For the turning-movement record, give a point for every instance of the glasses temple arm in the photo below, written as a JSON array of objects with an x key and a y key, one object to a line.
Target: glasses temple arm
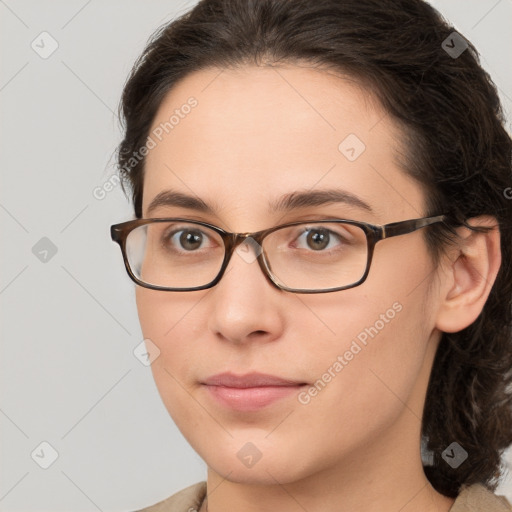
[{"x": 408, "y": 226}]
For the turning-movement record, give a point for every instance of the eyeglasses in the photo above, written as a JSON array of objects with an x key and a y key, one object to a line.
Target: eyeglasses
[{"x": 175, "y": 254}]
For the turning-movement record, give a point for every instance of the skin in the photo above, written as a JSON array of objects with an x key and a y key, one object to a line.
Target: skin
[{"x": 257, "y": 134}]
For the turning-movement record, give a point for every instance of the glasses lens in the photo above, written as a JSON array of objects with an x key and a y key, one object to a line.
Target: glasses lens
[
  {"x": 317, "y": 256},
  {"x": 174, "y": 254}
]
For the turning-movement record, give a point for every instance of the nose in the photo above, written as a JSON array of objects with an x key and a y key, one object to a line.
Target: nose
[{"x": 244, "y": 306}]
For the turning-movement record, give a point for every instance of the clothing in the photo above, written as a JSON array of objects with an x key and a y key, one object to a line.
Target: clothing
[
  {"x": 473, "y": 498},
  {"x": 476, "y": 498}
]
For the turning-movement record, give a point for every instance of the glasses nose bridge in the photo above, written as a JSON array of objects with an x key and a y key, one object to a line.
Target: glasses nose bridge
[
  {"x": 237, "y": 239},
  {"x": 233, "y": 240},
  {"x": 241, "y": 237}
]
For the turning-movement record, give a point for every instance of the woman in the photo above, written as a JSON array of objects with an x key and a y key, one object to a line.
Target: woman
[{"x": 350, "y": 349}]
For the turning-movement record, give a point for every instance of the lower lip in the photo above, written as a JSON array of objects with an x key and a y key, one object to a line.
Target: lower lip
[{"x": 251, "y": 399}]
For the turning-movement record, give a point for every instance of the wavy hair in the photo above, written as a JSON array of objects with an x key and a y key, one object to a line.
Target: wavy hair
[{"x": 456, "y": 146}]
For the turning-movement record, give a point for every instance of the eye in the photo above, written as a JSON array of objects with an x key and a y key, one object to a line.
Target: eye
[
  {"x": 318, "y": 239},
  {"x": 186, "y": 239},
  {"x": 190, "y": 240}
]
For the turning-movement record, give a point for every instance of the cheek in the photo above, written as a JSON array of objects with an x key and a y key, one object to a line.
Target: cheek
[
  {"x": 167, "y": 317},
  {"x": 361, "y": 382},
  {"x": 372, "y": 348},
  {"x": 170, "y": 322}
]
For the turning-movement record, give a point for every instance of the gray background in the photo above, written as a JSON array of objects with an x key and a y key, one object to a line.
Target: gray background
[{"x": 68, "y": 318}]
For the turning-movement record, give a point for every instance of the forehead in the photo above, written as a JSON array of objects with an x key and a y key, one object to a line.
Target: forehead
[{"x": 241, "y": 135}]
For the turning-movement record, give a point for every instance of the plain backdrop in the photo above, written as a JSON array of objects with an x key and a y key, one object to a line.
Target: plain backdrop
[{"x": 69, "y": 326}]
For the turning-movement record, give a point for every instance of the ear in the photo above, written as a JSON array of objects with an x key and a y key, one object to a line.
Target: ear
[{"x": 467, "y": 275}]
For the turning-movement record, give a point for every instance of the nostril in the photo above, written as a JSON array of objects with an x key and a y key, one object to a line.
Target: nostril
[{"x": 259, "y": 333}]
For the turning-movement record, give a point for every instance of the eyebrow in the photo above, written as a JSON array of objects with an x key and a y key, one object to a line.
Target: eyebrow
[
  {"x": 173, "y": 198},
  {"x": 288, "y": 202},
  {"x": 297, "y": 200}
]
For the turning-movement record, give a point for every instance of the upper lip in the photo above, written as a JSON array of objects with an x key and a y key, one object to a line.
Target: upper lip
[{"x": 249, "y": 380}]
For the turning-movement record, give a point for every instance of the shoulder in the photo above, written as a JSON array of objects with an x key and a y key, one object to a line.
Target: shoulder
[
  {"x": 477, "y": 498},
  {"x": 186, "y": 500}
]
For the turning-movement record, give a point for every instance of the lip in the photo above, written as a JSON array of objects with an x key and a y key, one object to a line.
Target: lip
[{"x": 250, "y": 392}]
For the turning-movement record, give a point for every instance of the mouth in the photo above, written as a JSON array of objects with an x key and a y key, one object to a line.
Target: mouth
[{"x": 250, "y": 392}]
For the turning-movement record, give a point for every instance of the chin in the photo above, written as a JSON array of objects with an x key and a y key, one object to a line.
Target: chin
[{"x": 273, "y": 465}]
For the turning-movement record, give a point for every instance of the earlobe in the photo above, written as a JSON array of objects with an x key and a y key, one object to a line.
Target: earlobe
[{"x": 469, "y": 275}]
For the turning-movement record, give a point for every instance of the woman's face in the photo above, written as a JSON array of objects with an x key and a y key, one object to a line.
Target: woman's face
[{"x": 359, "y": 358}]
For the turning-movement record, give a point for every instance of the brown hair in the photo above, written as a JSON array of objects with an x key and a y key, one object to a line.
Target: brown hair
[{"x": 457, "y": 148}]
